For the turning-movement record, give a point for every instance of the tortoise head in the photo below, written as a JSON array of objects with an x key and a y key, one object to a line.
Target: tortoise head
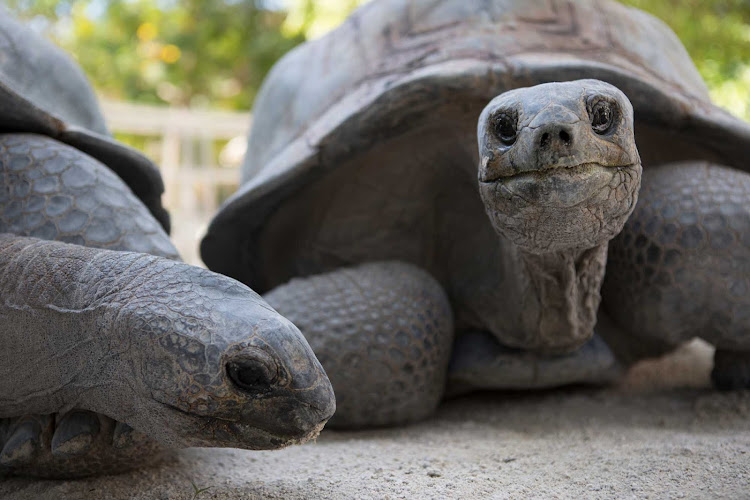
[
  {"x": 219, "y": 367},
  {"x": 558, "y": 166}
]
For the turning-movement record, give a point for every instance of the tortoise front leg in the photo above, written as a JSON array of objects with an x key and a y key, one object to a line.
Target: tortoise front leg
[
  {"x": 52, "y": 191},
  {"x": 681, "y": 267},
  {"x": 383, "y": 333},
  {"x": 74, "y": 444}
]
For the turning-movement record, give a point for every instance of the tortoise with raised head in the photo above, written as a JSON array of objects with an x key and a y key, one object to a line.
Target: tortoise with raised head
[
  {"x": 364, "y": 186},
  {"x": 96, "y": 341}
]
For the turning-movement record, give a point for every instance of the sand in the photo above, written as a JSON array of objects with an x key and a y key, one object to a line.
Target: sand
[{"x": 660, "y": 433}]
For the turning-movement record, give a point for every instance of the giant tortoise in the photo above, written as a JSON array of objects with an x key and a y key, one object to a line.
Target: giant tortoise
[
  {"x": 96, "y": 341},
  {"x": 371, "y": 219}
]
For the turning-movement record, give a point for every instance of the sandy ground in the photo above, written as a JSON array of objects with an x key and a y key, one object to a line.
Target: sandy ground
[{"x": 661, "y": 433}]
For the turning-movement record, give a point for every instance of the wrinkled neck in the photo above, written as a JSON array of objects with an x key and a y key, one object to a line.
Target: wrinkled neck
[{"x": 561, "y": 294}]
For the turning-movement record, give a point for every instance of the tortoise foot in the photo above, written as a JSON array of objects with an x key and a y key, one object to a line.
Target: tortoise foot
[
  {"x": 480, "y": 362},
  {"x": 731, "y": 370},
  {"x": 75, "y": 444}
]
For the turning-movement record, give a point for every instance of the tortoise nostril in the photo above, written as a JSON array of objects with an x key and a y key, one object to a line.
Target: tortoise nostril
[
  {"x": 555, "y": 137},
  {"x": 565, "y": 137}
]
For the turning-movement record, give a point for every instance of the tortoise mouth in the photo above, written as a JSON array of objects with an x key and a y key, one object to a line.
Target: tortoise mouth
[
  {"x": 220, "y": 432},
  {"x": 561, "y": 167},
  {"x": 561, "y": 186},
  {"x": 562, "y": 208}
]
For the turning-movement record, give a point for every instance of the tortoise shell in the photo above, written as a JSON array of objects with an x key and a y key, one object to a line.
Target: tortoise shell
[
  {"x": 363, "y": 144},
  {"x": 43, "y": 91}
]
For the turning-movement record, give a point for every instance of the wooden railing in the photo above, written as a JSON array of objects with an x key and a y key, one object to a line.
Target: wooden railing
[{"x": 186, "y": 144}]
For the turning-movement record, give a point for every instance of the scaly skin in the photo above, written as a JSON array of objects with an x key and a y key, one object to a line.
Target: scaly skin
[
  {"x": 556, "y": 193},
  {"x": 67, "y": 351},
  {"x": 383, "y": 329},
  {"x": 681, "y": 267},
  {"x": 52, "y": 191},
  {"x": 362, "y": 150},
  {"x": 188, "y": 357},
  {"x": 60, "y": 345}
]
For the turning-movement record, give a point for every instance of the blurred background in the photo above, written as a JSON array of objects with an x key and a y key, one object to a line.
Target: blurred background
[{"x": 177, "y": 78}]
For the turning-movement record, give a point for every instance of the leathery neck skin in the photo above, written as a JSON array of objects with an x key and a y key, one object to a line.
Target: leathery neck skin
[{"x": 559, "y": 175}]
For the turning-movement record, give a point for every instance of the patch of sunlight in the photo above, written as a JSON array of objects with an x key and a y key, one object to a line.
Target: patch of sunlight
[
  {"x": 314, "y": 19},
  {"x": 147, "y": 31},
  {"x": 734, "y": 95},
  {"x": 170, "y": 54}
]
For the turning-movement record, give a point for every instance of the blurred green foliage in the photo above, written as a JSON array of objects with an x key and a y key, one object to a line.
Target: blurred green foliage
[
  {"x": 716, "y": 33},
  {"x": 201, "y": 52},
  {"x": 187, "y": 53}
]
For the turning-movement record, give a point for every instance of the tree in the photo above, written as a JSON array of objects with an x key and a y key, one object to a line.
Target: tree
[
  {"x": 716, "y": 34},
  {"x": 195, "y": 52},
  {"x": 191, "y": 52}
]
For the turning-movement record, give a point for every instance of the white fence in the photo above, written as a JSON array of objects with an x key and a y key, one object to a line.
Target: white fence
[{"x": 197, "y": 160}]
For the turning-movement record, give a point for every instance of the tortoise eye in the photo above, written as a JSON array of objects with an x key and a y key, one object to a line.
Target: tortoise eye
[
  {"x": 255, "y": 373},
  {"x": 603, "y": 114},
  {"x": 504, "y": 126}
]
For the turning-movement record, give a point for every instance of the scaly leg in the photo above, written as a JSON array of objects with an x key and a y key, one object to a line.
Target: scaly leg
[
  {"x": 52, "y": 191},
  {"x": 383, "y": 333},
  {"x": 681, "y": 267}
]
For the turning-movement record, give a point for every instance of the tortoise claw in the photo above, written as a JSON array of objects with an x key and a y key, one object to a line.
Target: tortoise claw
[
  {"x": 23, "y": 443},
  {"x": 75, "y": 444},
  {"x": 75, "y": 433},
  {"x": 125, "y": 437}
]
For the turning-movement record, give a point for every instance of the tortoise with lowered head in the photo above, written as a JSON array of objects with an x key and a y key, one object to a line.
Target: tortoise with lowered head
[
  {"x": 96, "y": 341},
  {"x": 364, "y": 186}
]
